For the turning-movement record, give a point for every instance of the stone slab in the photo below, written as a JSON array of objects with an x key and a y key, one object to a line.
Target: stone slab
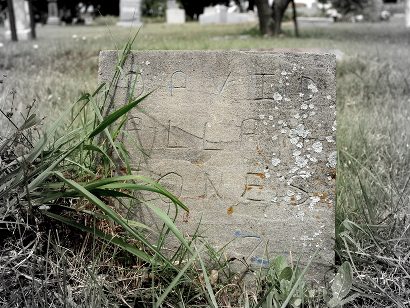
[
  {"x": 175, "y": 16},
  {"x": 130, "y": 13},
  {"x": 247, "y": 140}
]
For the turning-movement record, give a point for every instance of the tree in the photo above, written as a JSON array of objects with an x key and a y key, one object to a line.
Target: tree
[{"x": 270, "y": 17}]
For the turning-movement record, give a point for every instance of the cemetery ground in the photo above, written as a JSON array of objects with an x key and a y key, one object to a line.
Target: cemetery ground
[{"x": 373, "y": 178}]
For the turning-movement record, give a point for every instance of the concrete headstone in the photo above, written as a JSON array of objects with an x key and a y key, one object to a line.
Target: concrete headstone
[
  {"x": 52, "y": 18},
  {"x": 214, "y": 15},
  {"x": 130, "y": 13},
  {"x": 247, "y": 140},
  {"x": 174, "y": 15},
  {"x": 22, "y": 17}
]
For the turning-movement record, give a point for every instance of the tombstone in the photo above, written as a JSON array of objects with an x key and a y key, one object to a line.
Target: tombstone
[
  {"x": 130, "y": 13},
  {"x": 407, "y": 10},
  {"x": 53, "y": 18},
  {"x": 214, "y": 15},
  {"x": 22, "y": 17},
  {"x": 88, "y": 15},
  {"x": 174, "y": 15},
  {"x": 247, "y": 140},
  {"x": 238, "y": 18}
]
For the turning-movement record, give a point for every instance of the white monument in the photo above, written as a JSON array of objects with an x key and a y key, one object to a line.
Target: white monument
[
  {"x": 217, "y": 14},
  {"x": 52, "y": 18},
  {"x": 174, "y": 14},
  {"x": 220, "y": 14},
  {"x": 22, "y": 18},
  {"x": 130, "y": 13}
]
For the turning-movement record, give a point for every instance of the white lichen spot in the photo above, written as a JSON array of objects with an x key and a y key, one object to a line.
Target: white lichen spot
[
  {"x": 280, "y": 122},
  {"x": 287, "y": 199},
  {"x": 297, "y": 116},
  {"x": 283, "y": 130},
  {"x": 317, "y": 147},
  {"x": 312, "y": 113},
  {"x": 277, "y": 96},
  {"x": 147, "y": 62},
  {"x": 274, "y": 199},
  {"x": 261, "y": 116},
  {"x": 294, "y": 140},
  {"x": 297, "y": 153},
  {"x": 311, "y": 106},
  {"x": 328, "y": 97},
  {"x": 287, "y": 83},
  {"x": 305, "y": 116},
  {"x": 293, "y": 170},
  {"x": 274, "y": 138},
  {"x": 270, "y": 117},
  {"x": 287, "y": 99},
  {"x": 305, "y": 174},
  {"x": 313, "y": 159},
  {"x": 275, "y": 161},
  {"x": 301, "y": 94},
  {"x": 283, "y": 73},
  {"x": 332, "y": 159},
  {"x": 298, "y": 197},
  {"x": 301, "y": 215},
  {"x": 282, "y": 178},
  {"x": 301, "y": 161},
  {"x": 330, "y": 139},
  {"x": 299, "y": 131},
  {"x": 313, "y": 201},
  {"x": 312, "y": 87},
  {"x": 299, "y": 145},
  {"x": 265, "y": 123},
  {"x": 304, "y": 106}
]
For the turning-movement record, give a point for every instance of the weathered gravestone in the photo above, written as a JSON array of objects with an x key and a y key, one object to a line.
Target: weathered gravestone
[
  {"x": 174, "y": 15},
  {"x": 53, "y": 18},
  {"x": 130, "y": 13},
  {"x": 245, "y": 139}
]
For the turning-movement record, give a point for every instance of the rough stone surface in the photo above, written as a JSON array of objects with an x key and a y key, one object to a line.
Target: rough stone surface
[{"x": 247, "y": 140}]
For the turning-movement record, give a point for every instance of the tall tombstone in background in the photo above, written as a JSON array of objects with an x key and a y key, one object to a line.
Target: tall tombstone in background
[
  {"x": 247, "y": 140},
  {"x": 53, "y": 18},
  {"x": 174, "y": 15},
  {"x": 130, "y": 13},
  {"x": 22, "y": 18}
]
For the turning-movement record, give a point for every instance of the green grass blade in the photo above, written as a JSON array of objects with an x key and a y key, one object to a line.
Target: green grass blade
[
  {"x": 112, "y": 215},
  {"x": 116, "y": 115},
  {"x": 170, "y": 224},
  {"x": 175, "y": 281},
  {"x": 114, "y": 240},
  {"x": 94, "y": 148},
  {"x": 208, "y": 283},
  {"x": 298, "y": 281}
]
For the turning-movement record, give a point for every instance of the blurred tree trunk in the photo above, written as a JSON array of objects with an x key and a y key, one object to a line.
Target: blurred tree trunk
[
  {"x": 265, "y": 17},
  {"x": 270, "y": 18},
  {"x": 408, "y": 13}
]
